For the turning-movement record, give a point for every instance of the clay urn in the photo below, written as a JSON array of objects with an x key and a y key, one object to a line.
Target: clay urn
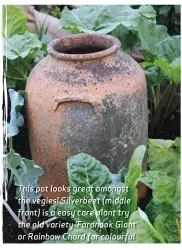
[{"x": 85, "y": 96}]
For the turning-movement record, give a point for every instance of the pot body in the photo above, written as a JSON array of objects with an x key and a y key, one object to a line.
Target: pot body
[{"x": 95, "y": 106}]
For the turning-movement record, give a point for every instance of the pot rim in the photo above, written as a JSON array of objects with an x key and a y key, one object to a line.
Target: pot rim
[{"x": 67, "y": 41}]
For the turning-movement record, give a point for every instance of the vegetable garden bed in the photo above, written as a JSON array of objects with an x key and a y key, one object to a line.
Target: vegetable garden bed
[{"x": 157, "y": 214}]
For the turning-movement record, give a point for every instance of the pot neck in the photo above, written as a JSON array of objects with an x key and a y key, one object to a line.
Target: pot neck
[{"x": 83, "y": 47}]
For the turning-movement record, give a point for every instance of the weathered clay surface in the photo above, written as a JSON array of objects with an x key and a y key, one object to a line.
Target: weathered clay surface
[{"x": 94, "y": 103}]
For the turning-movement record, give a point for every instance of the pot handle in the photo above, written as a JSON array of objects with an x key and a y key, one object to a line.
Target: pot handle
[{"x": 84, "y": 99}]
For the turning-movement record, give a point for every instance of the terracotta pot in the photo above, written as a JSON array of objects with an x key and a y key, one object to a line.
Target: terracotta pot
[{"x": 85, "y": 96}]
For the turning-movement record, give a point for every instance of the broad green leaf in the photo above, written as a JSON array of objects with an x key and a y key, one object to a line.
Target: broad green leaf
[
  {"x": 149, "y": 35},
  {"x": 12, "y": 130},
  {"x": 163, "y": 155},
  {"x": 152, "y": 209},
  {"x": 131, "y": 179},
  {"x": 151, "y": 74},
  {"x": 39, "y": 56},
  {"x": 14, "y": 21},
  {"x": 153, "y": 179},
  {"x": 165, "y": 55},
  {"x": 131, "y": 26},
  {"x": 177, "y": 8},
  {"x": 29, "y": 173},
  {"x": 12, "y": 160},
  {"x": 161, "y": 32},
  {"x": 102, "y": 18},
  {"x": 177, "y": 143},
  {"x": 167, "y": 223},
  {"x": 25, "y": 173},
  {"x": 154, "y": 76},
  {"x": 164, "y": 10},
  {"x": 16, "y": 119},
  {"x": 162, "y": 185},
  {"x": 127, "y": 38},
  {"x": 45, "y": 39},
  {"x": 135, "y": 166},
  {"x": 168, "y": 58},
  {"x": 172, "y": 70},
  {"x": 169, "y": 48},
  {"x": 145, "y": 232},
  {"x": 21, "y": 45},
  {"x": 160, "y": 143},
  {"x": 147, "y": 11},
  {"x": 176, "y": 200},
  {"x": 62, "y": 210},
  {"x": 17, "y": 69},
  {"x": 85, "y": 171},
  {"x": 146, "y": 64}
]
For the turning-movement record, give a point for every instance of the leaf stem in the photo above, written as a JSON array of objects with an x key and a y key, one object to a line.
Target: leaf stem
[
  {"x": 154, "y": 98},
  {"x": 28, "y": 209},
  {"x": 10, "y": 143},
  {"x": 14, "y": 171},
  {"x": 11, "y": 212},
  {"x": 10, "y": 180},
  {"x": 15, "y": 217},
  {"x": 157, "y": 94},
  {"x": 12, "y": 175},
  {"x": 179, "y": 228}
]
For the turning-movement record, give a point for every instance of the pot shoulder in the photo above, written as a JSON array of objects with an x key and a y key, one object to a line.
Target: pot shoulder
[{"x": 117, "y": 69}]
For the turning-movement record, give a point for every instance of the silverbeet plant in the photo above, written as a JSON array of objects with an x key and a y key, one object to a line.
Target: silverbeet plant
[
  {"x": 85, "y": 171},
  {"x": 160, "y": 223}
]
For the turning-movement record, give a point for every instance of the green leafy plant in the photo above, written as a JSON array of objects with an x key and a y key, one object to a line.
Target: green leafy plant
[
  {"x": 14, "y": 21},
  {"x": 136, "y": 28},
  {"x": 164, "y": 68},
  {"x": 85, "y": 172},
  {"x": 16, "y": 119},
  {"x": 20, "y": 55},
  {"x": 25, "y": 174},
  {"x": 169, "y": 15},
  {"x": 121, "y": 21},
  {"x": 53, "y": 11},
  {"x": 145, "y": 232},
  {"x": 164, "y": 180},
  {"x": 160, "y": 223},
  {"x": 22, "y": 49}
]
